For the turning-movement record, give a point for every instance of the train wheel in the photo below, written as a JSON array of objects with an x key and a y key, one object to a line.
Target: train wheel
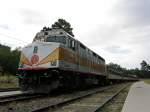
[{"x": 23, "y": 85}]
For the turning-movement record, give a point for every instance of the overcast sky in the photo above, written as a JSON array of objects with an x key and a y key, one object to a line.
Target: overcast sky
[{"x": 118, "y": 30}]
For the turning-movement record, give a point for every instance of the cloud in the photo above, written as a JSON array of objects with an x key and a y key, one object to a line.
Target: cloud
[
  {"x": 117, "y": 49},
  {"x": 118, "y": 30},
  {"x": 127, "y": 46},
  {"x": 101, "y": 34},
  {"x": 32, "y": 17},
  {"x": 134, "y": 12},
  {"x": 5, "y": 26}
]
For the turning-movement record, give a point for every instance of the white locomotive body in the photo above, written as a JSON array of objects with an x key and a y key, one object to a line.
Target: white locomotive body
[
  {"x": 59, "y": 50},
  {"x": 55, "y": 59}
]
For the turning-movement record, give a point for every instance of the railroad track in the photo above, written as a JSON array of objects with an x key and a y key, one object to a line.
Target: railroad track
[
  {"x": 117, "y": 103},
  {"x": 90, "y": 102},
  {"x": 81, "y": 100},
  {"x": 20, "y": 97},
  {"x": 13, "y": 95},
  {"x": 8, "y": 89}
]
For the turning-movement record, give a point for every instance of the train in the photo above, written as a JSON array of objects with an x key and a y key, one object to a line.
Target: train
[{"x": 56, "y": 59}]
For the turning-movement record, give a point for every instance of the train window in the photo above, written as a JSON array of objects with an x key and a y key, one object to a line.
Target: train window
[
  {"x": 59, "y": 39},
  {"x": 35, "y": 49},
  {"x": 61, "y": 32},
  {"x": 82, "y": 46},
  {"x": 45, "y": 33},
  {"x": 70, "y": 43},
  {"x": 98, "y": 62},
  {"x": 94, "y": 54},
  {"x": 73, "y": 45}
]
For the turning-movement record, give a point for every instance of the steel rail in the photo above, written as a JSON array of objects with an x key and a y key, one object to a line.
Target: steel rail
[
  {"x": 18, "y": 97},
  {"x": 110, "y": 99},
  {"x": 8, "y": 89},
  {"x": 58, "y": 104}
]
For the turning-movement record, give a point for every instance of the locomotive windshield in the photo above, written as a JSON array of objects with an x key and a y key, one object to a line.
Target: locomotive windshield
[{"x": 58, "y": 39}]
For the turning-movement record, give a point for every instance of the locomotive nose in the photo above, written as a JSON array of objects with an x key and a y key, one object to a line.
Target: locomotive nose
[{"x": 39, "y": 54}]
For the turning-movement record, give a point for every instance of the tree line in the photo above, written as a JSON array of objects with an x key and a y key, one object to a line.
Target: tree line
[
  {"x": 9, "y": 60},
  {"x": 142, "y": 72}
]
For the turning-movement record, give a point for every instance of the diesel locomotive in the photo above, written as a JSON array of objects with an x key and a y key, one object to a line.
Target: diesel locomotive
[{"x": 56, "y": 59}]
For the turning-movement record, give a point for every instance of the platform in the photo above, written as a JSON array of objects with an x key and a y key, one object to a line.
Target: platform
[{"x": 138, "y": 99}]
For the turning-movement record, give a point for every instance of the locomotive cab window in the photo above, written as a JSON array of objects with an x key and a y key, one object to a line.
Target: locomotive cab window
[
  {"x": 73, "y": 45},
  {"x": 58, "y": 39}
]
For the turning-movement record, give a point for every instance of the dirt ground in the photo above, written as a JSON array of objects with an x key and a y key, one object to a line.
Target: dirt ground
[{"x": 8, "y": 81}]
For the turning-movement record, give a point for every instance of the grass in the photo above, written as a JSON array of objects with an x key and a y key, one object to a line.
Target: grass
[
  {"x": 147, "y": 81},
  {"x": 8, "y": 81}
]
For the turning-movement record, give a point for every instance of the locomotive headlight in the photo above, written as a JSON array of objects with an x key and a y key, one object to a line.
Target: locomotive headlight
[{"x": 53, "y": 63}]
